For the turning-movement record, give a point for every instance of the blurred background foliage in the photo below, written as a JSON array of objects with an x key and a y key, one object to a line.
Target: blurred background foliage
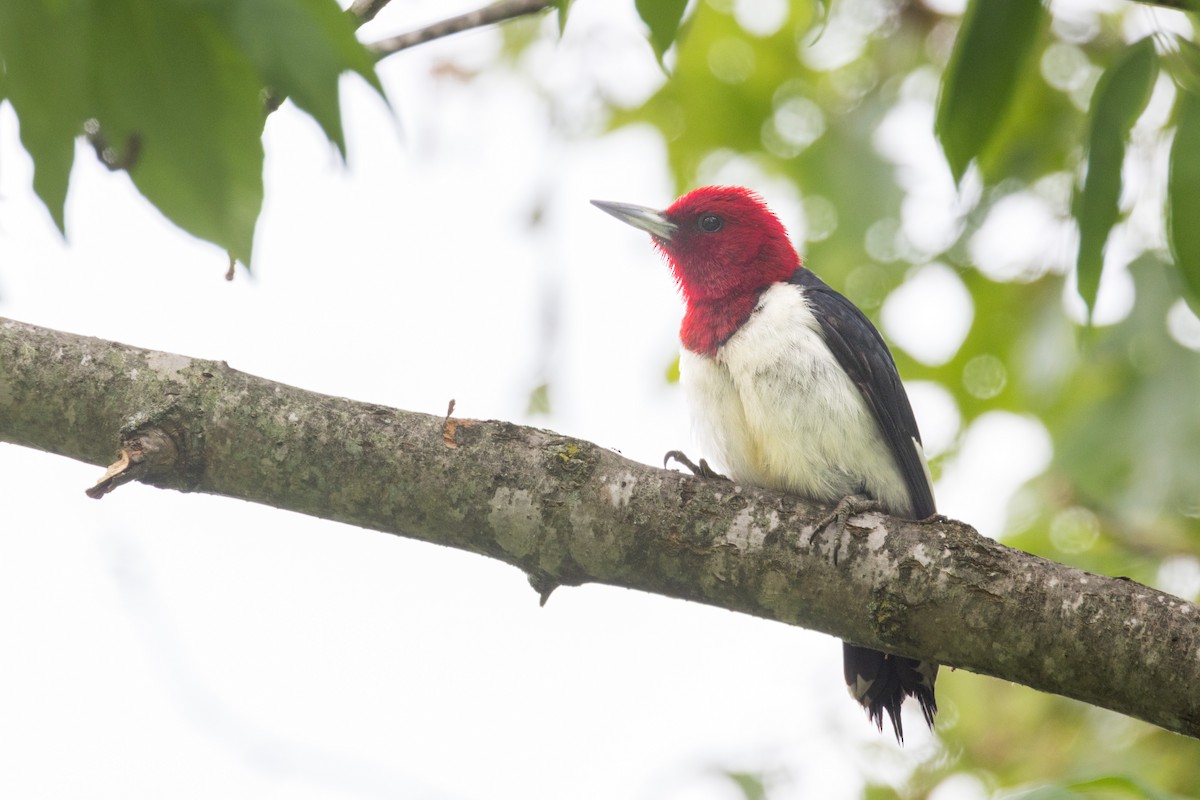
[{"x": 1071, "y": 119}]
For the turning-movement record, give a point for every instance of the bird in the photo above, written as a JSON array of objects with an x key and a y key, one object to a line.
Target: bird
[{"x": 792, "y": 389}]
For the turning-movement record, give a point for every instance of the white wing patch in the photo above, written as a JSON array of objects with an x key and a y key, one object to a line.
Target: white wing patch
[{"x": 924, "y": 462}]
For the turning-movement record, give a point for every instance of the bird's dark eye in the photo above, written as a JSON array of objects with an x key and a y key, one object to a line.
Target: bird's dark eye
[{"x": 711, "y": 223}]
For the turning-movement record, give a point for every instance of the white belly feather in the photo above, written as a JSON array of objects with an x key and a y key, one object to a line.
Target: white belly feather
[{"x": 776, "y": 409}]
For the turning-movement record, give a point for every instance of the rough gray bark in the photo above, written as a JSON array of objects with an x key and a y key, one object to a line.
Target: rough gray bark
[{"x": 569, "y": 512}]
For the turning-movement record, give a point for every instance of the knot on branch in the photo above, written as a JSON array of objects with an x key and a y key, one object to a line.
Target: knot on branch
[{"x": 155, "y": 453}]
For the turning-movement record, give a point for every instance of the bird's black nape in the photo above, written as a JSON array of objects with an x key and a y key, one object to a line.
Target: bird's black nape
[{"x": 881, "y": 682}]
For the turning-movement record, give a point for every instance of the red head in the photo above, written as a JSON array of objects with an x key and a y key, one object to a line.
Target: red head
[
  {"x": 724, "y": 247},
  {"x": 726, "y": 242}
]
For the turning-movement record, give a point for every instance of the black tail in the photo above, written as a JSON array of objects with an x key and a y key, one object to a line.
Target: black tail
[{"x": 881, "y": 681}]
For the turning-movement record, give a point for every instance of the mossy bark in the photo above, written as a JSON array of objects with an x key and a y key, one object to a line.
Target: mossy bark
[{"x": 569, "y": 512}]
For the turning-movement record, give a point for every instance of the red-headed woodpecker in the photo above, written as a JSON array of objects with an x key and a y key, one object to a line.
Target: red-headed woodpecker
[{"x": 792, "y": 388}]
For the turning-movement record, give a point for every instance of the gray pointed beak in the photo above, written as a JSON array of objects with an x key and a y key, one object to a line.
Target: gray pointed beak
[{"x": 653, "y": 222}]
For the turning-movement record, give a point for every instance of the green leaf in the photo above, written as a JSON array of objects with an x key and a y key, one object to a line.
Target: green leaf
[
  {"x": 563, "y": 7},
  {"x": 539, "y": 400},
  {"x": 1118, "y": 786},
  {"x": 179, "y": 105},
  {"x": 671, "y": 373},
  {"x": 1039, "y": 135},
  {"x": 172, "y": 92},
  {"x": 45, "y": 79},
  {"x": 992, "y": 49},
  {"x": 1048, "y": 792},
  {"x": 752, "y": 786},
  {"x": 300, "y": 48},
  {"x": 663, "y": 18},
  {"x": 1182, "y": 61},
  {"x": 1120, "y": 98},
  {"x": 1183, "y": 194},
  {"x": 1110, "y": 787}
]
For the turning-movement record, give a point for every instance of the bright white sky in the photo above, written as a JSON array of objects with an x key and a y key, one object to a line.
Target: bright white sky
[{"x": 167, "y": 645}]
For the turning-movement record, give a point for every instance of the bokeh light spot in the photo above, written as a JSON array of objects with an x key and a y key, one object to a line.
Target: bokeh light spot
[
  {"x": 731, "y": 60},
  {"x": 984, "y": 376},
  {"x": 1074, "y": 530},
  {"x": 1183, "y": 325},
  {"x": 929, "y": 314}
]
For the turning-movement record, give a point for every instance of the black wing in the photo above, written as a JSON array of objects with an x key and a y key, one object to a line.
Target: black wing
[
  {"x": 879, "y": 681},
  {"x": 861, "y": 351}
]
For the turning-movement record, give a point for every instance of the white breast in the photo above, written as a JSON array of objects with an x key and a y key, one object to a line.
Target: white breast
[{"x": 776, "y": 409}]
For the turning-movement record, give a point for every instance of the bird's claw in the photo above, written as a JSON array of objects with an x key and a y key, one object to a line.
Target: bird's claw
[
  {"x": 846, "y": 508},
  {"x": 849, "y": 506},
  {"x": 703, "y": 470}
]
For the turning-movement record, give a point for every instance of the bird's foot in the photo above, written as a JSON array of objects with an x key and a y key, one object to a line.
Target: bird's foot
[
  {"x": 847, "y": 507},
  {"x": 701, "y": 471}
]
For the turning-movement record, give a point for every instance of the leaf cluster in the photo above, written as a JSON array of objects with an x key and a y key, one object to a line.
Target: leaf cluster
[
  {"x": 174, "y": 92},
  {"x": 993, "y": 59}
]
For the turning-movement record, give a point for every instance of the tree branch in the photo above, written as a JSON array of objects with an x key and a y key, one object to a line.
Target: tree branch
[
  {"x": 1178, "y": 5},
  {"x": 488, "y": 15},
  {"x": 366, "y": 10},
  {"x": 503, "y": 10},
  {"x": 569, "y": 512}
]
